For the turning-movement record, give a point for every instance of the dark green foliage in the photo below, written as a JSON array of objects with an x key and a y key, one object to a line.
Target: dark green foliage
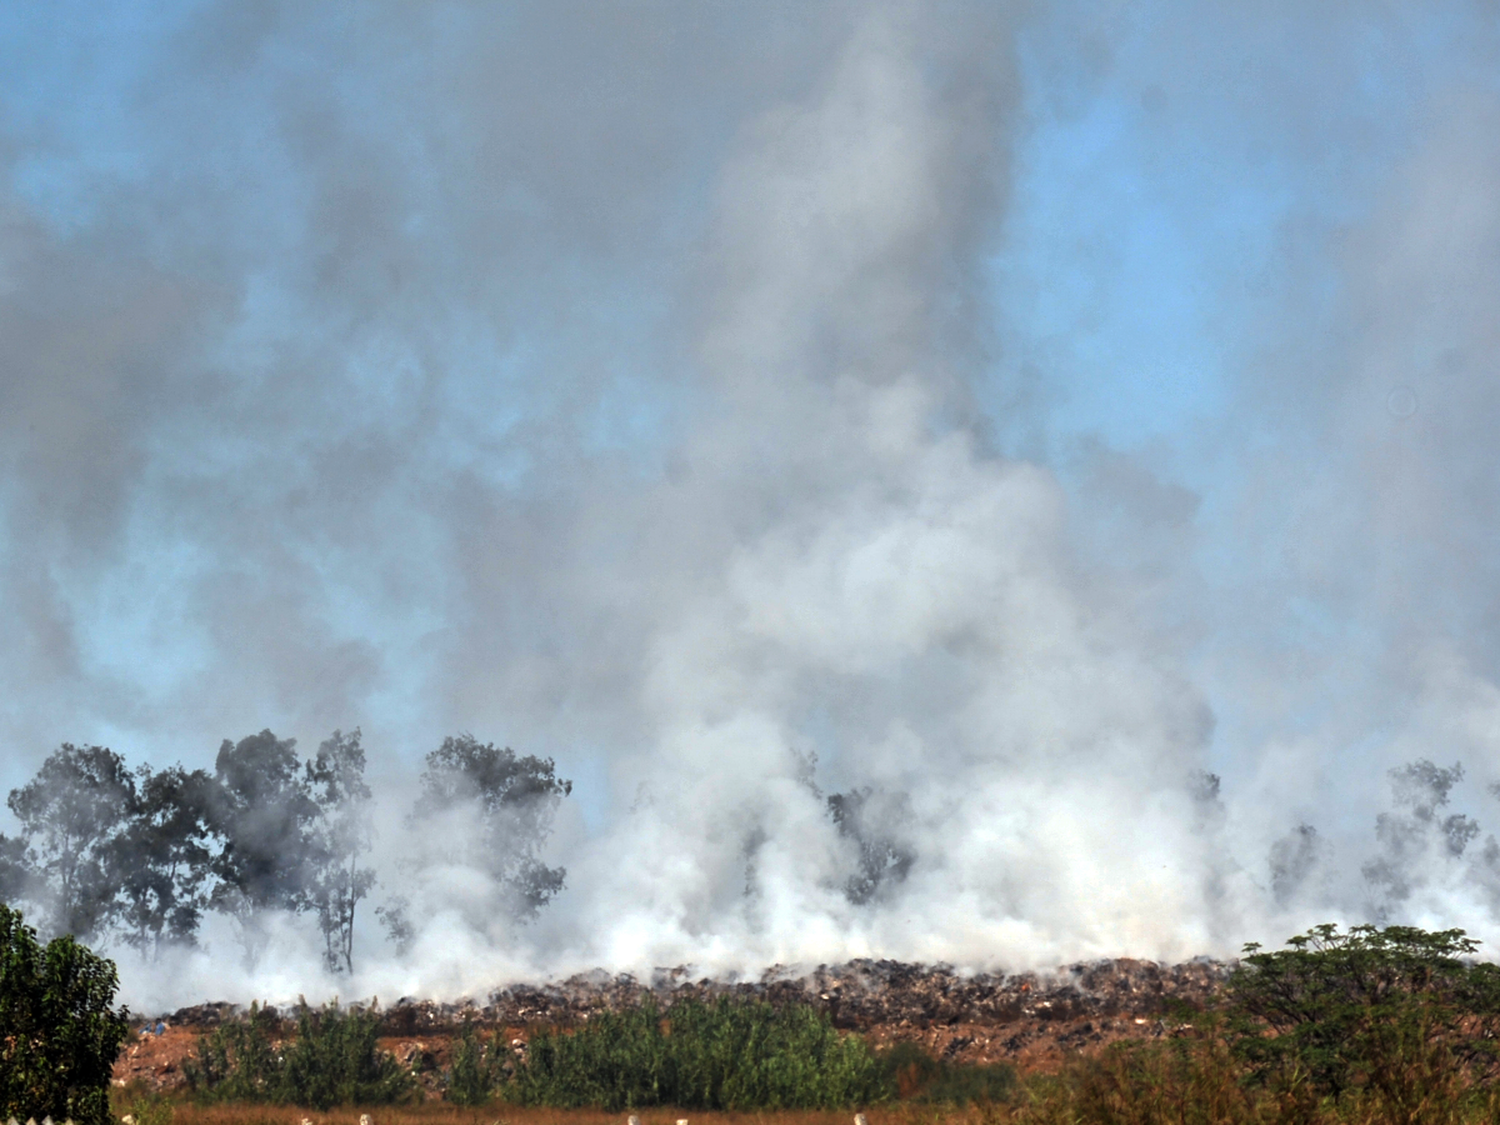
[
  {"x": 915, "y": 1074},
  {"x": 240, "y": 1061},
  {"x": 266, "y": 816},
  {"x": 140, "y": 855},
  {"x": 332, "y": 1060},
  {"x": 163, "y": 858},
  {"x": 477, "y": 1068},
  {"x": 148, "y": 1108},
  {"x": 59, "y": 1034},
  {"x": 514, "y": 799},
  {"x": 15, "y": 869},
  {"x": 728, "y": 1054},
  {"x": 1350, "y": 1010},
  {"x": 73, "y": 813}
]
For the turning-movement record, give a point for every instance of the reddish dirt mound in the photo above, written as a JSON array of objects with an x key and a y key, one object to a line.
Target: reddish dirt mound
[{"x": 1032, "y": 1020}]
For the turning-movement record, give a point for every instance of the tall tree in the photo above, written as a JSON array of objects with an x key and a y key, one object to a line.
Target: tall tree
[
  {"x": 15, "y": 869},
  {"x": 515, "y": 799},
  {"x": 337, "y": 781},
  {"x": 266, "y": 814},
  {"x": 163, "y": 859},
  {"x": 72, "y": 813}
]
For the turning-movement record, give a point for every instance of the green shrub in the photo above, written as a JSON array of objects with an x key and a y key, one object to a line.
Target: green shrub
[
  {"x": 59, "y": 1034},
  {"x": 151, "y": 1108},
  {"x": 729, "y": 1054},
  {"x": 240, "y": 1061},
  {"x": 476, "y": 1068},
  {"x": 332, "y": 1060},
  {"x": 1376, "y": 1009},
  {"x": 1394, "y": 1026}
]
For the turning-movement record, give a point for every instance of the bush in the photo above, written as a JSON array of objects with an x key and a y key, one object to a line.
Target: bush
[
  {"x": 476, "y": 1068},
  {"x": 728, "y": 1054},
  {"x": 59, "y": 1034},
  {"x": 1382, "y": 1009},
  {"x": 1394, "y": 1026},
  {"x": 1182, "y": 1082},
  {"x": 147, "y": 1107},
  {"x": 331, "y": 1061},
  {"x": 239, "y": 1061}
]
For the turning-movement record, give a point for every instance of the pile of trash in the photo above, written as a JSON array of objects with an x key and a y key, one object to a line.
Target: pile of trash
[
  {"x": 1030, "y": 1019},
  {"x": 859, "y": 995}
]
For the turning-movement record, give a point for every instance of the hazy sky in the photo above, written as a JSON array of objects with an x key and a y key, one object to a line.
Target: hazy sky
[{"x": 1020, "y": 407}]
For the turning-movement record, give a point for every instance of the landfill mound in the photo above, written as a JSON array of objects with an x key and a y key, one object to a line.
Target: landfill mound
[{"x": 1031, "y": 1019}]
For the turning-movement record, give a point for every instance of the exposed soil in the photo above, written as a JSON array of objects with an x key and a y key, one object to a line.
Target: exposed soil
[{"x": 1031, "y": 1020}]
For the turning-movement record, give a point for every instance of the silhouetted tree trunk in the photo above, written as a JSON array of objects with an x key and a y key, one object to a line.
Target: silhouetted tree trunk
[{"x": 337, "y": 780}]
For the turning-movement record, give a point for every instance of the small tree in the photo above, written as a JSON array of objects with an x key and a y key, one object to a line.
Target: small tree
[
  {"x": 73, "y": 812},
  {"x": 515, "y": 798},
  {"x": 477, "y": 1068},
  {"x": 163, "y": 858},
  {"x": 59, "y": 1034},
  {"x": 1349, "y": 1010},
  {"x": 333, "y": 1059},
  {"x": 337, "y": 779}
]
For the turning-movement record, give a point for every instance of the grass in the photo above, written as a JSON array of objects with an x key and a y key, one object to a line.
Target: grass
[
  {"x": 187, "y": 1112},
  {"x": 915, "y": 1075},
  {"x": 1177, "y": 1082},
  {"x": 724, "y": 1054}
]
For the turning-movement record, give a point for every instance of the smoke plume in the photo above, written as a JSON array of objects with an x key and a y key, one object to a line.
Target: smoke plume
[{"x": 990, "y": 484}]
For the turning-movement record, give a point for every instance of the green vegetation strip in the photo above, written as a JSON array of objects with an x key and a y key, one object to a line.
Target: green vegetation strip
[
  {"x": 331, "y": 1061},
  {"x": 726, "y": 1054}
]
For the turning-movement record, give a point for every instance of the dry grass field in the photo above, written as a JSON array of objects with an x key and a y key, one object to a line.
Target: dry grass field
[{"x": 185, "y": 1112}]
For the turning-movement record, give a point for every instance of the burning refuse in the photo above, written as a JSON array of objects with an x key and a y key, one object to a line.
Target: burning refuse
[{"x": 975, "y": 1019}]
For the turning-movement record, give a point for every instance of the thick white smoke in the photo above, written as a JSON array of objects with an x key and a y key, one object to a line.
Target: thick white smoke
[{"x": 893, "y": 600}]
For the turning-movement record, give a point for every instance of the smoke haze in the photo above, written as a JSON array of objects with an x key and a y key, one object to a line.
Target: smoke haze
[{"x": 1065, "y": 428}]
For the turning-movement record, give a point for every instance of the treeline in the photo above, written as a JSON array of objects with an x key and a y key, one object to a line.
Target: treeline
[{"x": 107, "y": 850}]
